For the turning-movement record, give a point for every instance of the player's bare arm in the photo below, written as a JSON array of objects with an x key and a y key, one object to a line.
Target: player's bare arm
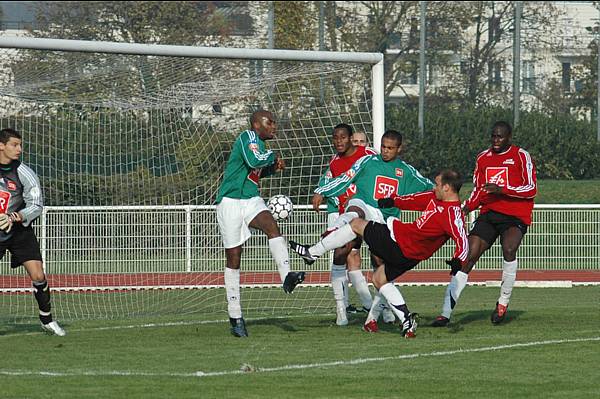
[
  {"x": 279, "y": 164},
  {"x": 492, "y": 188},
  {"x": 317, "y": 200}
]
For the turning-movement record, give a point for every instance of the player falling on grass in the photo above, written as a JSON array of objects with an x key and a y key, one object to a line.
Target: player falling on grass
[
  {"x": 401, "y": 246},
  {"x": 240, "y": 208},
  {"x": 375, "y": 177},
  {"x": 504, "y": 185},
  {"x": 21, "y": 202},
  {"x": 346, "y": 260}
]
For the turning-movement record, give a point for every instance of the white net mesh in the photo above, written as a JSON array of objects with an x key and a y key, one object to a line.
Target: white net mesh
[{"x": 109, "y": 130}]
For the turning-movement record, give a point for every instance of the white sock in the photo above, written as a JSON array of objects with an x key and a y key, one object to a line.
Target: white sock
[
  {"x": 509, "y": 275},
  {"x": 346, "y": 291},
  {"x": 376, "y": 307},
  {"x": 344, "y": 219},
  {"x": 394, "y": 298},
  {"x": 232, "y": 289},
  {"x": 453, "y": 291},
  {"x": 338, "y": 279},
  {"x": 334, "y": 240},
  {"x": 279, "y": 250},
  {"x": 359, "y": 282}
]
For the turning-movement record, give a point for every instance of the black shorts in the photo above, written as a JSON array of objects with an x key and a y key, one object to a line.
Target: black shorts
[
  {"x": 488, "y": 226},
  {"x": 380, "y": 242},
  {"x": 23, "y": 246}
]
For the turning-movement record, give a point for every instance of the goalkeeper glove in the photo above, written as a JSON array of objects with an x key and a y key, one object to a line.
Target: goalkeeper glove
[
  {"x": 385, "y": 202},
  {"x": 455, "y": 266},
  {"x": 5, "y": 222}
]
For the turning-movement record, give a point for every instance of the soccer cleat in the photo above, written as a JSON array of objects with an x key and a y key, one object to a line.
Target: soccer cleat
[
  {"x": 440, "y": 321},
  {"x": 292, "y": 280},
  {"x": 302, "y": 250},
  {"x": 499, "y": 313},
  {"x": 388, "y": 315},
  {"x": 54, "y": 328},
  {"x": 354, "y": 310},
  {"x": 341, "y": 317},
  {"x": 238, "y": 327},
  {"x": 409, "y": 326},
  {"x": 371, "y": 326}
]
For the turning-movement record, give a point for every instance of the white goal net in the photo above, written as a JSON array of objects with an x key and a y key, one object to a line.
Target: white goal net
[{"x": 124, "y": 142}]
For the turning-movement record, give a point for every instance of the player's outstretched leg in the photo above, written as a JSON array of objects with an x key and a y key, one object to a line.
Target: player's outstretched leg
[
  {"x": 238, "y": 327},
  {"x": 292, "y": 280},
  {"x": 303, "y": 251}
]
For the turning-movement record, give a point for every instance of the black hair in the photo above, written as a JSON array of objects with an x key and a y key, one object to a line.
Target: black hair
[
  {"x": 503, "y": 127},
  {"x": 393, "y": 134},
  {"x": 344, "y": 126},
  {"x": 451, "y": 177},
  {"x": 7, "y": 133}
]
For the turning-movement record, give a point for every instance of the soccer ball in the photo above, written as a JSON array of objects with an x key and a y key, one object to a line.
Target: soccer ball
[{"x": 280, "y": 206}]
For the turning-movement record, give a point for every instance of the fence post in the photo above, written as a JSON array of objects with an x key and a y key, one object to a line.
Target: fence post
[
  {"x": 43, "y": 239},
  {"x": 188, "y": 238}
]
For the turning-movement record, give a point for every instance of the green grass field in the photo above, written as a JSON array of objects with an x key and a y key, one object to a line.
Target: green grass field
[{"x": 549, "y": 347}]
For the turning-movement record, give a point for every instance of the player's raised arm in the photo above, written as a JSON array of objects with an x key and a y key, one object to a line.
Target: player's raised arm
[
  {"x": 340, "y": 184},
  {"x": 529, "y": 188},
  {"x": 410, "y": 202},
  {"x": 254, "y": 154}
]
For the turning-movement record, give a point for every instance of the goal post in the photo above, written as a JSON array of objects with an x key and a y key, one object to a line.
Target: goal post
[{"x": 125, "y": 136}]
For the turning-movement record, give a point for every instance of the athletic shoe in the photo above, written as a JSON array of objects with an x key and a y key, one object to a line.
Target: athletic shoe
[
  {"x": 54, "y": 328},
  {"x": 499, "y": 313},
  {"x": 354, "y": 310},
  {"x": 341, "y": 317},
  {"x": 292, "y": 280},
  {"x": 302, "y": 250},
  {"x": 440, "y": 321},
  {"x": 371, "y": 326},
  {"x": 409, "y": 326},
  {"x": 388, "y": 315},
  {"x": 238, "y": 327}
]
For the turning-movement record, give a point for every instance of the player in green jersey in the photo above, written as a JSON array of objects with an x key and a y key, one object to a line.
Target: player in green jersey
[
  {"x": 375, "y": 176},
  {"x": 240, "y": 208}
]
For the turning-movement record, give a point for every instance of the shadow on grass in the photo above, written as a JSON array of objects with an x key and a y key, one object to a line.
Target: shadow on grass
[
  {"x": 15, "y": 329},
  {"x": 458, "y": 323}
]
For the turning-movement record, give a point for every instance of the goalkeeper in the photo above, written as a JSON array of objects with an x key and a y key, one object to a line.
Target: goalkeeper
[
  {"x": 21, "y": 203},
  {"x": 240, "y": 208}
]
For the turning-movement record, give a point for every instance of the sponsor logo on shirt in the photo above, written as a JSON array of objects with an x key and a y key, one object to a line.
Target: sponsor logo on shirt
[
  {"x": 385, "y": 187},
  {"x": 350, "y": 173},
  {"x": 253, "y": 146},
  {"x": 428, "y": 213},
  {"x": 329, "y": 175},
  {"x": 509, "y": 161},
  {"x": 4, "y": 201},
  {"x": 254, "y": 176},
  {"x": 11, "y": 185},
  {"x": 497, "y": 175},
  {"x": 399, "y": 172}
]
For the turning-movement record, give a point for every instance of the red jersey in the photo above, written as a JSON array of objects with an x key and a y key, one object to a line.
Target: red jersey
[
  {"x": 340, "y": 164},
  {"x": 439, "y": 221},
  {"x": 514, "y": 171}
]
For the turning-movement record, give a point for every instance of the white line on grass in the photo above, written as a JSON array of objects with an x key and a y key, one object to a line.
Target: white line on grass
[{"x": 246, "y": 369}]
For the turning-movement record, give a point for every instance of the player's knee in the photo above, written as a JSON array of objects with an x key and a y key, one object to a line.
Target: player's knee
[{"x": 509, "y": 253}]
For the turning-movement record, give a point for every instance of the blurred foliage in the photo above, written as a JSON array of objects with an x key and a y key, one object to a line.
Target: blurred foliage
[{"x": 562, "y": 147}]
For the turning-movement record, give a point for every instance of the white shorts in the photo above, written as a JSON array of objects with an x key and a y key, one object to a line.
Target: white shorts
[
  {"x": 371, "y": 213},
  {"x": 234, "y": 216},
  {"x": 331, "y": 218}
]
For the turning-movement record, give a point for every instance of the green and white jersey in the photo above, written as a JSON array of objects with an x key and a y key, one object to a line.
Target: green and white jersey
[
  {"x": 245, "y": 167},
  {"x": 375, "y": 179}
]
